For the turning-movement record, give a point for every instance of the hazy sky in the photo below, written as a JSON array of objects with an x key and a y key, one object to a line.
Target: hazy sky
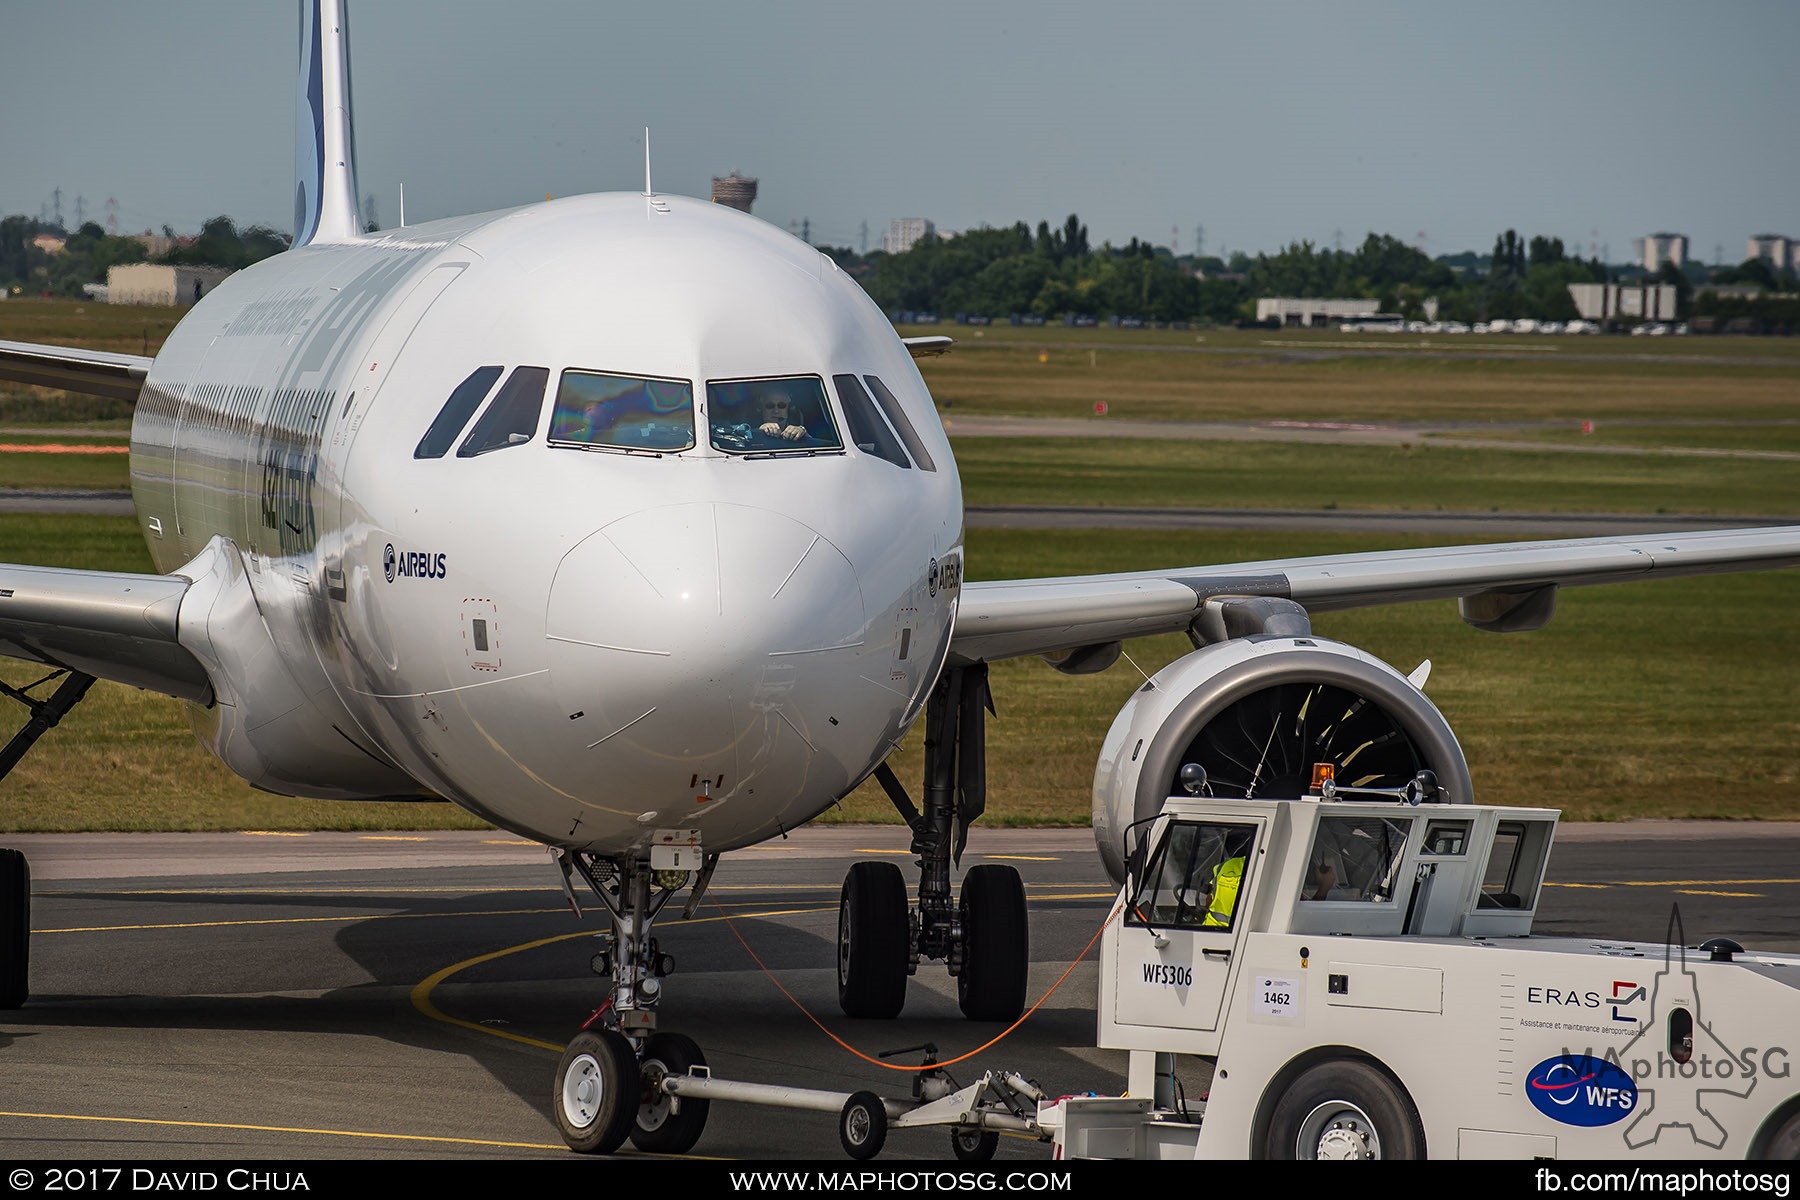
[{"x": 1265, "y": 123}]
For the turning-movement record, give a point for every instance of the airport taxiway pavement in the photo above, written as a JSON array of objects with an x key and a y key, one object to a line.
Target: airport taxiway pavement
[{"x": 332, "y": 995}]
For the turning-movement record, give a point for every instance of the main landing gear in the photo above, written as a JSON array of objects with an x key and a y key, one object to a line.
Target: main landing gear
[
  {"x": 609, "y": 1083},
  {"x": 15, "y": 872},
  {"x": 983, "y": 937}
]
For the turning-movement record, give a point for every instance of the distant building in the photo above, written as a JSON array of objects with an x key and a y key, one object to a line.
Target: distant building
[
  {"x": 1772, "y": 248},
  {"x": 155, "y": 283},
  {"x": 1659, "y": 248},
  {"x": 1315, "y": 312},
  {"x": 734, "y": 191},
  {"x": 49, "y": 243},
  {"x": 904, "y": 232},
  {"x": 1624, "y": 301},
  {"x": 155, "y": 244}
]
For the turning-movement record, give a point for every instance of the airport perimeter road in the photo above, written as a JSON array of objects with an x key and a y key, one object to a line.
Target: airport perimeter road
[
  {"x": 1337, "y": 520},
  {"x": 405, "y": 996},
  {"x": 1332, "y": 433}
]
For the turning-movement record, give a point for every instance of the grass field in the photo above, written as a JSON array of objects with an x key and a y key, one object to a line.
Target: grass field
[
  {"x": 1673, "y": 698},
  {"x": 1066, "y": 381},
  {"x": 1417, "y": 476}
]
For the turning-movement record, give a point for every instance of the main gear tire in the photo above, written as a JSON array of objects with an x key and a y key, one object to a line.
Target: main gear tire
[
  {"x": 873, "y": 941},
  {"x": 996, "y": 944}
]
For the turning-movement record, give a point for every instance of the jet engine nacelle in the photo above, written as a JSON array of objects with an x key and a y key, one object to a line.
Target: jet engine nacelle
[{"x": 1257, "y": 713}]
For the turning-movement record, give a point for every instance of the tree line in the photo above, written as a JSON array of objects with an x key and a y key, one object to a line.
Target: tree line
[
  {"x": 1056, "y": 272},
  {"x": 87, "y": 254}
]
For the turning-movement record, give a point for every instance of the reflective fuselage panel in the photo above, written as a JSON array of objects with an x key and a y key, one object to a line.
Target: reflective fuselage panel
[{"x": 582, "y": 645}]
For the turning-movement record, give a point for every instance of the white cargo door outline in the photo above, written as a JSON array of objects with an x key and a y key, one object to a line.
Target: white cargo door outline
[{"x": 1178, "y": 939}]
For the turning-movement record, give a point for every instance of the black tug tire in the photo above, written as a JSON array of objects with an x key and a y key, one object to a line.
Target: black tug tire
[
  {"x": 659, "y": 1127},
  {"x": 862, "y": 1125},
  {"x": 872, "y": 941},
  {"x": 597, "y": 1092},
  {"x": 974, "y": 1145},
  {"x": 1343, "y": 1108},
  {"x": 996, "y": 944},
  {"x": 15, "y": 929},
  {"x": 1784, "y": 1144}
]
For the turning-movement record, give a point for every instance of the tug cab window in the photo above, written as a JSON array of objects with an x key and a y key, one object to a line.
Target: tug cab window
[
  {"x": 623, "y": 412},
  {"x": 1194, "y": 878},
  {"x": 512, "y": 419},
  {"x": 1515, "y": 865},
  {"x": 771, "y": 416},
  {"x": 1355, "y": 858}
]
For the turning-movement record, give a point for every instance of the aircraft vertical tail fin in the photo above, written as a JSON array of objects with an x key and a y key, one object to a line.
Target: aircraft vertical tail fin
[{"x": 325, "y": 195}]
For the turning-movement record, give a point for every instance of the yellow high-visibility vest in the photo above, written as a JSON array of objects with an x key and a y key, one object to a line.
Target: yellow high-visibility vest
[{"x": 1228, "y": 876}]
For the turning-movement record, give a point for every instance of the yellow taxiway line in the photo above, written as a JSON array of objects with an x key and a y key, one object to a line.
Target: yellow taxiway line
[{"x": 421, "y": 992}]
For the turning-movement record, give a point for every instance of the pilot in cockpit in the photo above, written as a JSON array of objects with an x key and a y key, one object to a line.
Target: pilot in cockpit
[{"x": 780, "y": 418}]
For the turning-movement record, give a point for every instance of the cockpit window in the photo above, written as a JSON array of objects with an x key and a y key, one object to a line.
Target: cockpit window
[
  {"x": 771, "y": 416},
  {"x": 890, "y": 404},
  {"x": 623, "y": 412},
  {"x": 456, "y": 413},
  {"x": 867, "y": 429},
  {"x": 512, "y": 419}
]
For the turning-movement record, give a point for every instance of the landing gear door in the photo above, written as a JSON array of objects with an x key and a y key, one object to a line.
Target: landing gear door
[{"x": 1178, "y": 943}]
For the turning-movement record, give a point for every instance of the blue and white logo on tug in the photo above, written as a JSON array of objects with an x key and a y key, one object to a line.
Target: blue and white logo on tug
[{"x": 1581, "y": 1090}]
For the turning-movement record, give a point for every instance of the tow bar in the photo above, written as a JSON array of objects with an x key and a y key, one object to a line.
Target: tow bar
[{"x": 975, "y": 1115}]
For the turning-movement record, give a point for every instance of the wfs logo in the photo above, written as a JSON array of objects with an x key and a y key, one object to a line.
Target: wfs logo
[
  {"x": 411, "y": 564},
  {"x": 1581, "y": 1090}
]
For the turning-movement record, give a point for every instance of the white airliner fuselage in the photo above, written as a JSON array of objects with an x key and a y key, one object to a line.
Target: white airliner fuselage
[
  {"x": 626, "y": 522},
  {"x": 579, "y": 643}
]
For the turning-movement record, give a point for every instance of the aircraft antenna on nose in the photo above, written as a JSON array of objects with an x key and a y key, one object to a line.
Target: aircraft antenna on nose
[{"x": 647, "y": 189}]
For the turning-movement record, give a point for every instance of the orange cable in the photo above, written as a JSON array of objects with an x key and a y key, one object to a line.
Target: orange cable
[{"x": 996, "y": 1039}]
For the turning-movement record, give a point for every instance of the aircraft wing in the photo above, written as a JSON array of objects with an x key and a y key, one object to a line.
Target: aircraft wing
[
  {"x": 111, "y": 625},
  {"x": 1504, "y": 587},
  {"x": 93, "y": 372},
  {"x": 927, "y": 347}
]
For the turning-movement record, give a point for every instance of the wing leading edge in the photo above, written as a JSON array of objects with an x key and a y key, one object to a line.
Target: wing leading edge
[
  {"x": 92, "y": 372},
  {"x": 1505, "y": 586}
]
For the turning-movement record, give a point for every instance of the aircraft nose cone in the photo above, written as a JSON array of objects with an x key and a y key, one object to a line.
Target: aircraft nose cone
[
  {"x": 705, "y": 584},
  {"x": 684, "y": 637}
]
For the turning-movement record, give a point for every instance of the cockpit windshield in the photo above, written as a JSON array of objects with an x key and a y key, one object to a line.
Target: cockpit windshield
[
  {"x": 771, "y": 416},
  {"x": 623, "y": 412}
]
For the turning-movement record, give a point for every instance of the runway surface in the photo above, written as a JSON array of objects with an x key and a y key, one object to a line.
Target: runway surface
[{"x": 405, "y": 996}]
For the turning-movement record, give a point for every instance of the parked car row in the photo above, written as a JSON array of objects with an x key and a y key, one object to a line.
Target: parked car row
[{"x": 1502, "y": 325}]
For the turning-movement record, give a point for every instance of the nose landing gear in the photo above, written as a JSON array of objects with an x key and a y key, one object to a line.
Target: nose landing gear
[{"x": 609, "y": 1084}]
